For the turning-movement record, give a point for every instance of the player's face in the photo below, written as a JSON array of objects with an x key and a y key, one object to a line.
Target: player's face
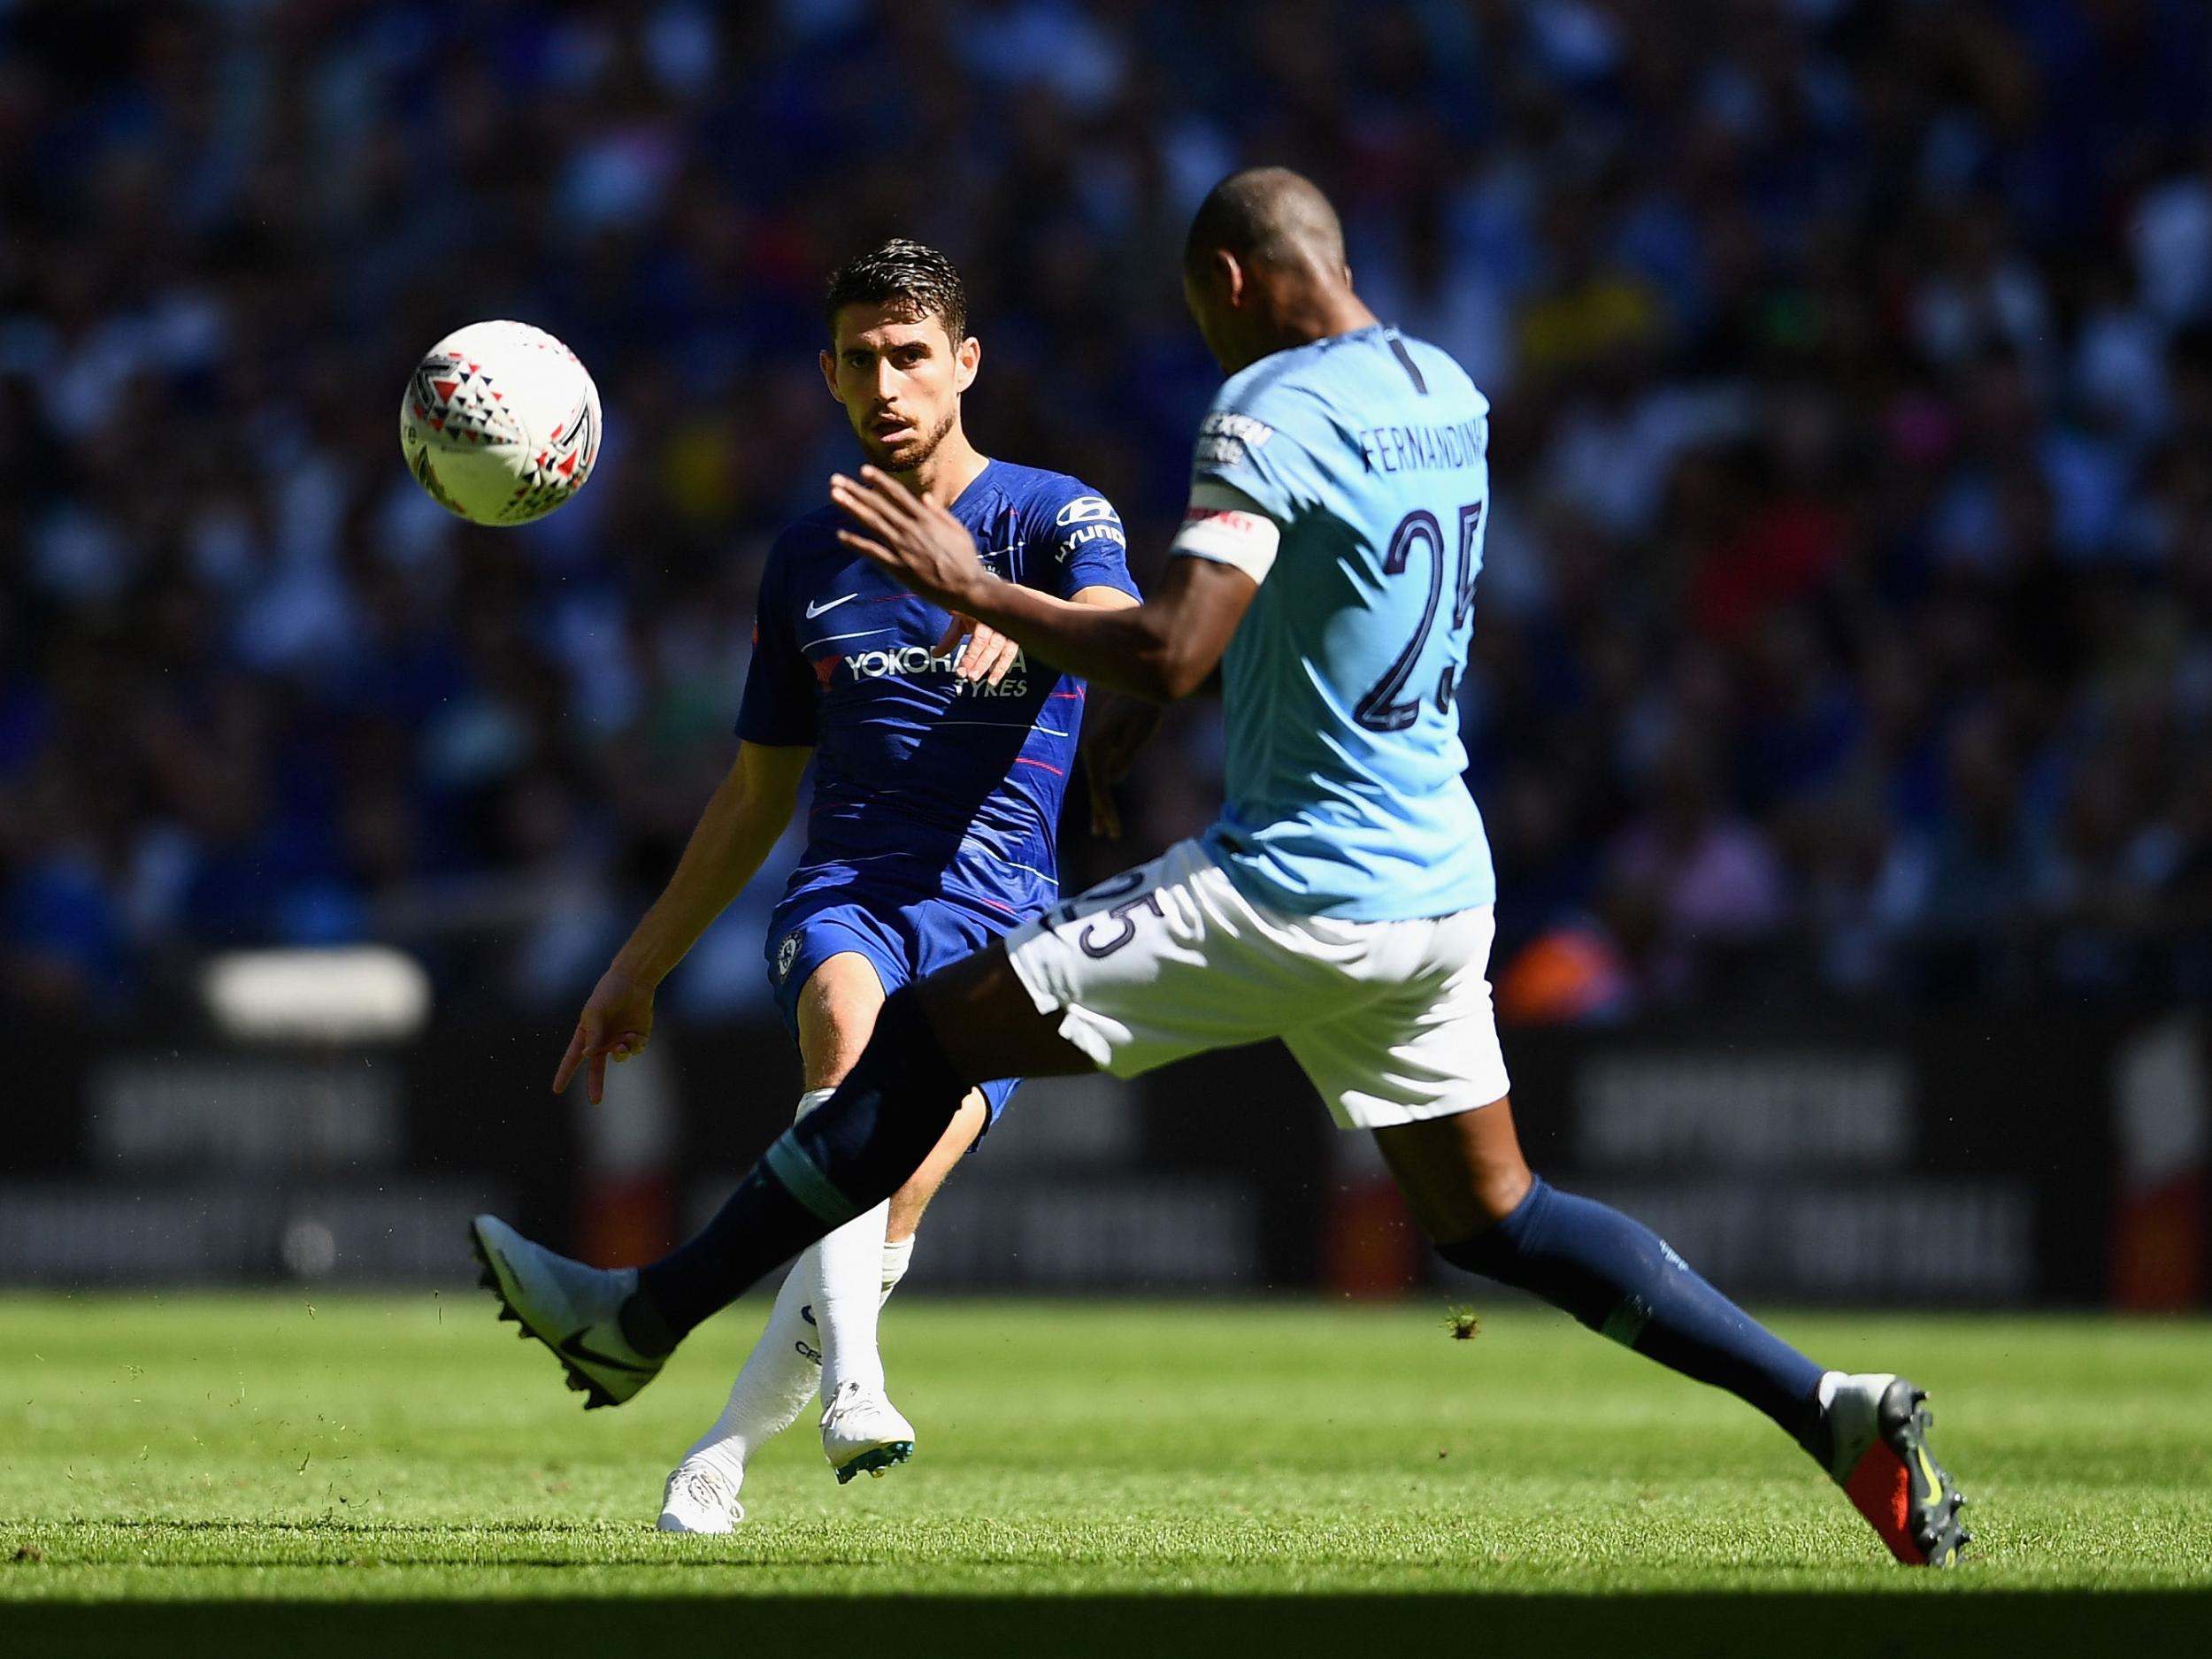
[{"x": 900, "y": 379}]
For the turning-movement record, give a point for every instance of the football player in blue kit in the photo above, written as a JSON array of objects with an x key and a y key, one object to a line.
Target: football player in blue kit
[
  {"x": 940, "y": 752},
  {"x": 1342, "y": 901}
]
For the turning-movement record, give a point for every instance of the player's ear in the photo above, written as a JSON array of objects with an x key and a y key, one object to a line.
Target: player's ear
[
  {"x": 1229, "y": 271},
  {"x": 967, "y": 357},
  {"x": 829, "y": 376}
]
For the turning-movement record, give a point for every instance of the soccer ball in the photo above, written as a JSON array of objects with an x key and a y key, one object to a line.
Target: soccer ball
[{"x": 500, "y": 423}]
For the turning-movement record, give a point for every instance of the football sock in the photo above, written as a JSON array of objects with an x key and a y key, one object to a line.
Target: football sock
[
  {"x": 847, "y": 1274},
  {"x": 836, "y": 1163},
  {"x": 898, "y": 1256},
  {"x": 783, "y": 1373},
  {"x": 779, "y": 1378},
  {"x": 850, "y": 1265},
  {"x": 1619, "y": 1277}
]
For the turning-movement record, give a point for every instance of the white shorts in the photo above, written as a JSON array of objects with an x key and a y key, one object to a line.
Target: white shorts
[{"x": 1390, "y": 1021}]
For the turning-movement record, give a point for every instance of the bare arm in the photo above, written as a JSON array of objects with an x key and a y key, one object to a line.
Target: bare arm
[
  {"x": 1163, "y": 649},
  {"x": 747, "y": 812}
]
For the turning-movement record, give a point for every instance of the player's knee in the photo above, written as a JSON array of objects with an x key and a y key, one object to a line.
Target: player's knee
[
  {"x": 1493, "y": 1246},
  {"x": 906, "y": 1066},
  {"x": 903, "y": 1029},
  {"x": 1499, "y": 1191},
  {"x": 1472, "y": 1207}
]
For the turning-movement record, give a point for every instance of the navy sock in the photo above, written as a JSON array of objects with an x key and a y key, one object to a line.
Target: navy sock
[
  {"x": 841, "y": 1160},
  {"x": 1619, "y": 1277}
]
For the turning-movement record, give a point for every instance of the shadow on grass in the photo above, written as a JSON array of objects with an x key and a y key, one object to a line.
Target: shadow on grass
[{"x": 977, "y": 1627}]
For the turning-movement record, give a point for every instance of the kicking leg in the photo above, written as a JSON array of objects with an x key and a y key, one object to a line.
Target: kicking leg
[
  {"x": 1473, "y": 1194},
  {"x": 933, "y": 1043}
]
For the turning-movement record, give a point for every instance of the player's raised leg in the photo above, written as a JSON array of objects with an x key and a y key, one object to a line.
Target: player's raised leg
[
  {"x": 1473, "y": 1194},
  {"x": 891, "y": 1112}
]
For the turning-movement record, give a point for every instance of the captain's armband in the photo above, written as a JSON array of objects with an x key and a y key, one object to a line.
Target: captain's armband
[{"x": 1229, "y": 528}]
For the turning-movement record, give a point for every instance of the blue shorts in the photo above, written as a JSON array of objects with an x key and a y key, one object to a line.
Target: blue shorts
[{"x": 902, "y": 941}]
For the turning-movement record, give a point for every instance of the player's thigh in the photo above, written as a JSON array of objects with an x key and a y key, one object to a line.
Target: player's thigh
[
  {"x": 837, "y": 1009},
  {"x": 940, "y": 932},
  {"x": 987, "y": 1025},
  {"x": 1164, "y": 961}
]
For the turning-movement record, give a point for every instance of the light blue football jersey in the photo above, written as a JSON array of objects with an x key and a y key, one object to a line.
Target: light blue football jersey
[{"x": 1345, "y": 798}]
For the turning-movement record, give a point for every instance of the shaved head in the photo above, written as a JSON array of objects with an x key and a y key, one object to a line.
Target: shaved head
[
  {"x": 1264, "y": 267},
  {"x": 1266, "y": 216}
]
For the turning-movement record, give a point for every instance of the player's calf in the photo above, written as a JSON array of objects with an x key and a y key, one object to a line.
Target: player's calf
[
  {"x": 1623, "y": 1280},
  {"x": 1620, "y": 1279}
]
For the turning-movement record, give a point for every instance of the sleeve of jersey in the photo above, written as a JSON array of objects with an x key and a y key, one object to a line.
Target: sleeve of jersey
[
  {"x": 780, "y": 690},
  {"x": 1090, "y": 547},
  {"x": 1240, "y": 492}
]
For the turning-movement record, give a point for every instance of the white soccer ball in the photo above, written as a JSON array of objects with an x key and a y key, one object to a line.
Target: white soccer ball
[{"x": 500, "y": 423}]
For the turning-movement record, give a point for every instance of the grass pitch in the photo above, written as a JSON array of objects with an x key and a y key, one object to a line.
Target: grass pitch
[{"x": 255, "y": 1474}]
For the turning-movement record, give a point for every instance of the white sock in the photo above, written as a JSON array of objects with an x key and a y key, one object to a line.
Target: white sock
[
  {"x": 780, "y": 1379},
  {"x": 897, "y": 1254},
  {"x": 781, "y": 1376},
  {"x": 850, "y": 1262}
]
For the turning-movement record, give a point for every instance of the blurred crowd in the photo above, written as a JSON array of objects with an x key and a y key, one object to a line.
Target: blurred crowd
[{"x": 1847, "y": 624}]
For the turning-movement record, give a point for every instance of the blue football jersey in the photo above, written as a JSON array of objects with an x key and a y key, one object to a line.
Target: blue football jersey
[
  {"x": 1369, "y": 450},
  {"x": 926, "y": 784}
]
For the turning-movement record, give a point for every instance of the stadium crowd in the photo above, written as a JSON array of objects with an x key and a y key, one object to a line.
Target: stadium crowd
[{"x": 1846, "y": 627}]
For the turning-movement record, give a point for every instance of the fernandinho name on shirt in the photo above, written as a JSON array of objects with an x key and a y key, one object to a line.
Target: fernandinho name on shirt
[{"x": 1424, "y": 448}]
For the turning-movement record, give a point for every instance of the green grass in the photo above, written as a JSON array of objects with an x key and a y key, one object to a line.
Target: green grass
[{"x": 1111, "y": 1474}]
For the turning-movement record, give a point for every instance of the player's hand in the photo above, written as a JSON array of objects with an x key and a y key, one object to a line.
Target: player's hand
[
  {"x": 990, "y": 655},
  {"x": 617, "y": 1023},
  {"x": 1115, "y": 729},
  {"x": 920, "y": 543}
]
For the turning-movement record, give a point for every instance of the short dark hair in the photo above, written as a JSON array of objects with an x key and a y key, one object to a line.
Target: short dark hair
[
  {"x": 1268, "y": 214},
  {"x": 901, "y": 273}
]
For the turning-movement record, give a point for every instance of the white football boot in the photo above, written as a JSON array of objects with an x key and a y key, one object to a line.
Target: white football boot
[
  {"x": 863, "y": 1434},
  {"x": 573, "y": 1310},
  {"x": 700, "y": 1498}
]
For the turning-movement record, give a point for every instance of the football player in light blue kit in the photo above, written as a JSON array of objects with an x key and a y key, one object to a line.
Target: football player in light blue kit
[{"x": 1341, "y": 903}]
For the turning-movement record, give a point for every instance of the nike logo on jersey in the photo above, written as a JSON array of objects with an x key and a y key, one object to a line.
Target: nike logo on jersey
[
  {"x": 814, "y": 610},
  {"x": 573, "y": 1345}
]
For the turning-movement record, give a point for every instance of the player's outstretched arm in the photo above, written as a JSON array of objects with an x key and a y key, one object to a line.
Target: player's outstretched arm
[
  {"x": 1165, "y": 648},
  {"x": 748, "y": 812},
  {"x": 989, "y": 656}
]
